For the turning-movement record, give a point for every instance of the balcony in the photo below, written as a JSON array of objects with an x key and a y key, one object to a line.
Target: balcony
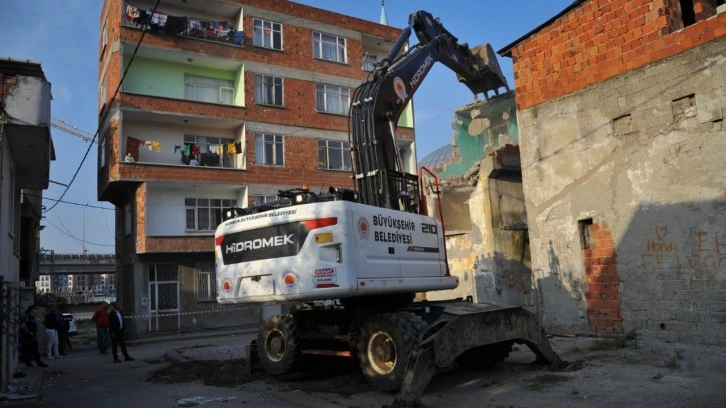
[
  {"x": 172, "y": 139},
  {"x": 182, "y": 25}
]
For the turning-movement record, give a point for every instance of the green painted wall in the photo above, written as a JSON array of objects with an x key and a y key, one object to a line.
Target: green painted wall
[
  {"x": 406, "y": 118},
  {"x": 501, "y": 115},
  {"x": 166, "y": 79},
  {"x": 239, "y": 91}
]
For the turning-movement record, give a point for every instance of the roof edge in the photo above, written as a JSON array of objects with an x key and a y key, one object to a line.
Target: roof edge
[{"x": 506, "y": 51}]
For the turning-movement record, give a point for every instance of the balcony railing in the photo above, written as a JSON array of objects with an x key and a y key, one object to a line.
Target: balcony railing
[{"x": 193, "y": 27}]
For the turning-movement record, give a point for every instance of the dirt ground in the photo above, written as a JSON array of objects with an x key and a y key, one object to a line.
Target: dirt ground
[{"x": 624, "y": 371}]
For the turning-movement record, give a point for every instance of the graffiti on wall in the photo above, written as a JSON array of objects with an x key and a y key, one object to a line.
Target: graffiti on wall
[{"x": 702, "y": 258}]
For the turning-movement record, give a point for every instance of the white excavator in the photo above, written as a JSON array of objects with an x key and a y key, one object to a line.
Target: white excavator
[{"x": 351, "y": 261}]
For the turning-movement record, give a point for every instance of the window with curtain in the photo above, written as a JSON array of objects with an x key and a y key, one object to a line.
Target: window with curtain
[
  {"x": 329, "y": 47},
  {"x": 268, "y": 90},
  {"x": 204, "y": 214},
  {"x": 333, "y": 155},
  {"x": 267, "y": 34},
  {"x": 206, "y": 282},
  {"x": 206, "y": 89},
  {"x": 331, "y": 98},
  {"x": 269, "y": 149}
]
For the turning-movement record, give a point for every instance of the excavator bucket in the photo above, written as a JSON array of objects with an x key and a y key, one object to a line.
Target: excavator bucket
[
  {"x": 491, "y": 78},
  {"x": 463, "y": 326}
]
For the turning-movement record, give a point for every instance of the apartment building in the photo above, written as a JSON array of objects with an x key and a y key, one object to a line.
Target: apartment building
[{"x": 220, "y": 104}]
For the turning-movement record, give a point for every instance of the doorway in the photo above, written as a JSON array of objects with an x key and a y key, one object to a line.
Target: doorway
[{"x": 163, "y": 297}]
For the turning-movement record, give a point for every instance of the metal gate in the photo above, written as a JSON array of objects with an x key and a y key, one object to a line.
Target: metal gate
[{"x": 163, "y": 297}]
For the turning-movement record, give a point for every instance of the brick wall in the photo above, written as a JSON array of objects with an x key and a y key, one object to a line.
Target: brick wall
[
  {"x": 601, "y": 275},
  {"x": 601, "y": 39}
]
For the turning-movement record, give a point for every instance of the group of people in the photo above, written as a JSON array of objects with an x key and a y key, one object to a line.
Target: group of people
[{"x": 109, "y": 324}]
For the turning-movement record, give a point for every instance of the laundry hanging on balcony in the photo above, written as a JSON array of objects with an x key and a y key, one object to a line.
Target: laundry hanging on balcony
[
  {"x": 159, "y": 22},
  {"x": 234, "y": 148}
]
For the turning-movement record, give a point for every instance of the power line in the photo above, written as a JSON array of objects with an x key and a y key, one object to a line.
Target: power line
[
  {"x": 76, "y": 238},
  {"x": 108, "y": 110},
  {"x": 70, "y": 202}
]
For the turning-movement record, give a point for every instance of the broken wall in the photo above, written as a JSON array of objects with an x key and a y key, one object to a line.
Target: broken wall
[{"x": 483, "y": 205}]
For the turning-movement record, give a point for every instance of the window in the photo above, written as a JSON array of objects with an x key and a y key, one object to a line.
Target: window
[
  {"x": 586, "y": 235},
  {"x": 333, "y": 155},
  {"x": 688, "y": 15},
  {"x": 204, "y": 214},
  {"x": 213, "y": 151},
  {"x": 102, "y": 94},
  {"x": 329, "y": 47},
  {"x": 268, "y": 149},
  {"x": 104, "y": 38},
  {"x": 102, "y": 152},
  {"x": 369, "y": 62},
  {"x": 267, "y": 34},
  {"x": 206, "y": 282},
  {"x": 331, "y": 99},
  {"x": 205, "y": 89},
  {"x": 264, "y": 198},
  {"x": 268, "y": 90}
]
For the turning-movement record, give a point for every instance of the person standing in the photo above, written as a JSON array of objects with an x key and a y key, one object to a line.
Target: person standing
[
  {"x": 51, "y": 331},
  {"x": 100, "y": 317},
  {"x": 117, "y": 331},
  {"x": 29, "y": 338}
]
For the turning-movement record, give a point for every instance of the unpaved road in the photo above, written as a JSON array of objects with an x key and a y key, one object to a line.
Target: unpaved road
[
  {"x": 653, "y": 374},
  {"x": 656, "y": 374}
]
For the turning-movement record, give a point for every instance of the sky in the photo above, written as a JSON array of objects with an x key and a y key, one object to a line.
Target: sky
[{"x": 63, "y": 36}]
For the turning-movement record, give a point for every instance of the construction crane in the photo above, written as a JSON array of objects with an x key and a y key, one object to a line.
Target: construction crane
[{"x": 72, "y": 130}]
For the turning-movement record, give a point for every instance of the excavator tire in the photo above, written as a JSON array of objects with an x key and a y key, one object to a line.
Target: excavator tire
[
  {"x": 385, "y": 343},
  {"x": 483, "y": 357},
  {"x": 278, "y": 344}
]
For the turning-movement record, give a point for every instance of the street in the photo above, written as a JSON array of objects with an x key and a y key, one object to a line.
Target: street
[{"x": 653, "y": 374}]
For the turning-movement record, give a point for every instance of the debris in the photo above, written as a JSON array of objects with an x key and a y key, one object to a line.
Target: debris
[{"x": 192, "y": 401}]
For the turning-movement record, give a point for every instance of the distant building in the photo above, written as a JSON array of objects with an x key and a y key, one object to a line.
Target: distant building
[
  {"x": 80, "y": 278},
  {"x": 257, "y": 93}
]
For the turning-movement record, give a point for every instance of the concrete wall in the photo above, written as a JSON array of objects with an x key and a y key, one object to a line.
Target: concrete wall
[{"x": 625, "y": 188}]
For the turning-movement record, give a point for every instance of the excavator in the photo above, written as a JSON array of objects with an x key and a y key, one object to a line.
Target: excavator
[{"x": 351, "y": 261}]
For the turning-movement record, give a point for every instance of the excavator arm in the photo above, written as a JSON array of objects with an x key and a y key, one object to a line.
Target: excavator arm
[{"x": 377, "y": 104}]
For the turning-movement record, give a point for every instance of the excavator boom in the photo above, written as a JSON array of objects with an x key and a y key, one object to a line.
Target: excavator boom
[{"x": 377, "y": 104}]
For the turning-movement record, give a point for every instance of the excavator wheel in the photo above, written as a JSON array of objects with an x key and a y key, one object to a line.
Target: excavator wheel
[
  {"x": 278, "y": 344},
  {"x": 385, "y": 343},
  {"x": 484, "y": 356}
]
